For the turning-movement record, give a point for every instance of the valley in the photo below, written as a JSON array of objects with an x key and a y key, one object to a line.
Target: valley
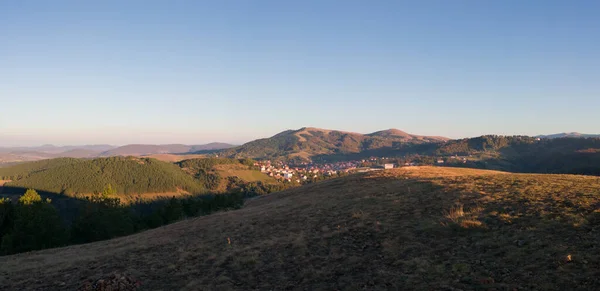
[
  {"x": 314, "y": 205},
  {"x": 299, "y": 145}
]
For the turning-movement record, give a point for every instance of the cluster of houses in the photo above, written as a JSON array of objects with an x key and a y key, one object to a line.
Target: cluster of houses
[
  {"x": 456, "y": 159},
  {"x": 285, "y": 172},
  {"x": 301, "y": 173},
  {"x": 310, "y": 171}
]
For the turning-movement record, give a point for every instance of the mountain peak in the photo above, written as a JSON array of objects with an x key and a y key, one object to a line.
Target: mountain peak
[
  {"x": 390, "y": 132},
  {"x": 308, "y": 142}
]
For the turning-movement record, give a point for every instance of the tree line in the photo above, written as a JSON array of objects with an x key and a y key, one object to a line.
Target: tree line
[{"x": 32, "y": 223}]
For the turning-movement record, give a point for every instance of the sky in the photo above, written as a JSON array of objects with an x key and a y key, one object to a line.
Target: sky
[{"x": 192, "y": 72}]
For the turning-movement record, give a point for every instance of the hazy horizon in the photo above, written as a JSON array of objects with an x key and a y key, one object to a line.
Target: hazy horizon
[
  {"x": 157, "y": 72},
  {"x": 38, "y": 144}
]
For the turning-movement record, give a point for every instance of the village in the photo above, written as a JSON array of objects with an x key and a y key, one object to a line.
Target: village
[{"x": 309, "y": 172}]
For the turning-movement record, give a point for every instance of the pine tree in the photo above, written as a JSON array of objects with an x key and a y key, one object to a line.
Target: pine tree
[
  {"x": 30, "y": 197},
  {"x": 36, "y": 225}
]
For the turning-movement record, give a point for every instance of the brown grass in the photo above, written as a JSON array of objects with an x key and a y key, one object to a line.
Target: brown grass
[
  {"x": 375, "y": 231},
  {"x": 242, "y": 172}
]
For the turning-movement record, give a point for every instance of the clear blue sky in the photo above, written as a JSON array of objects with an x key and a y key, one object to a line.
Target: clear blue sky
[{"x": 82, "y": 72}]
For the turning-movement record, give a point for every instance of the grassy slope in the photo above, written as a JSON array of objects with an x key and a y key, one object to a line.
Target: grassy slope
[
  {"x": 400, "y": 229},
  {"x": 243, "y": 172}
]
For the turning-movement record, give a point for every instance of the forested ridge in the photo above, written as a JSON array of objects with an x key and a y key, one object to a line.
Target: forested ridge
[
  {"x": 61, "y": 216},
  {"x": 528, "y": 154},
  {"x": 128, "y": 175},
  {"x": 24, "y": 170}
]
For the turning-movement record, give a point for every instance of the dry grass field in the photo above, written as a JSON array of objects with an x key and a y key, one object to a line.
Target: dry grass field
[
  {"x": 406, "y": 229},
  {"x": 243, "y": 172}
]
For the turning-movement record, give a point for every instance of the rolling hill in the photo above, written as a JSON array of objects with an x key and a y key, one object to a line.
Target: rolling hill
[
  {"x": 144, "y": 177},
  {"x": 141, "y": 149},
  {"x": 23, "y": 156},
  {"x": 526, "y": 154},
  {"x": 568, "y": 134},
  {"x": 308, "y": 143},
  {"x": 52, "y": 149},
  {"x": 128, "y": 175},
  {"x": 27, "y": 154},
  {"x": 417, "y": 228}
]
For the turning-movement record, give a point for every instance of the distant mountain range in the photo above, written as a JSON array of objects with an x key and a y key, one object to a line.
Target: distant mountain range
[
  {"x": 48, "y": 148},
  {"x": 304, "y": 144},
  {"x": 145, "y": 149},
  {"x": 568, "y": 134},
  {"x": 25, "y": 154},
  {"x": 309, "y": 142}
]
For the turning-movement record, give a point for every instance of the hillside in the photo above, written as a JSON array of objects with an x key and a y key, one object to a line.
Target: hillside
[
  {"x": 23, "y": 156},
  {"x": 407, "y": 229},
  {"x": 24, "y": 170},
  {"x": 568, "y": 134},
  {"x": 225, "y": 175},
  {"x": 143, "y": 149},
  {"x": 51, "y": 149},
  {"x": 309, "y": 143},
  {"x": 134, "y": 175},
  {"x": 127, "y": 175},
  {"x": 172, "y": 158},
  {"x": 28, "y": 154},
  {"x": 527, "y": 154}
]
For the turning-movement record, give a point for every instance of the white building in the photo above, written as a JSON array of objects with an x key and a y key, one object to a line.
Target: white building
[
  {"x": 388, "y": 166},
  {"x": 288, "y": 175}
]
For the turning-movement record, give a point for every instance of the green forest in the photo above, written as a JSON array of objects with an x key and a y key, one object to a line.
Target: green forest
[
  {"x": 129, "y": 175},
  {"x": 32, "y": 223},
  {"x": 41, "y": 207}
]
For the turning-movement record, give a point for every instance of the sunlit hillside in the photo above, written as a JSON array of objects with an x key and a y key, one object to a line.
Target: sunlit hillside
[{"x": 419, "y": 228}]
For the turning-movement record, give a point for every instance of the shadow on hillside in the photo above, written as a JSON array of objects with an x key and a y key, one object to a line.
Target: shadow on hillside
[
  {"x": 421, "y": 149},
  {"x": 70, "y": 207},
  {"x": 67, "y": 206}
]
